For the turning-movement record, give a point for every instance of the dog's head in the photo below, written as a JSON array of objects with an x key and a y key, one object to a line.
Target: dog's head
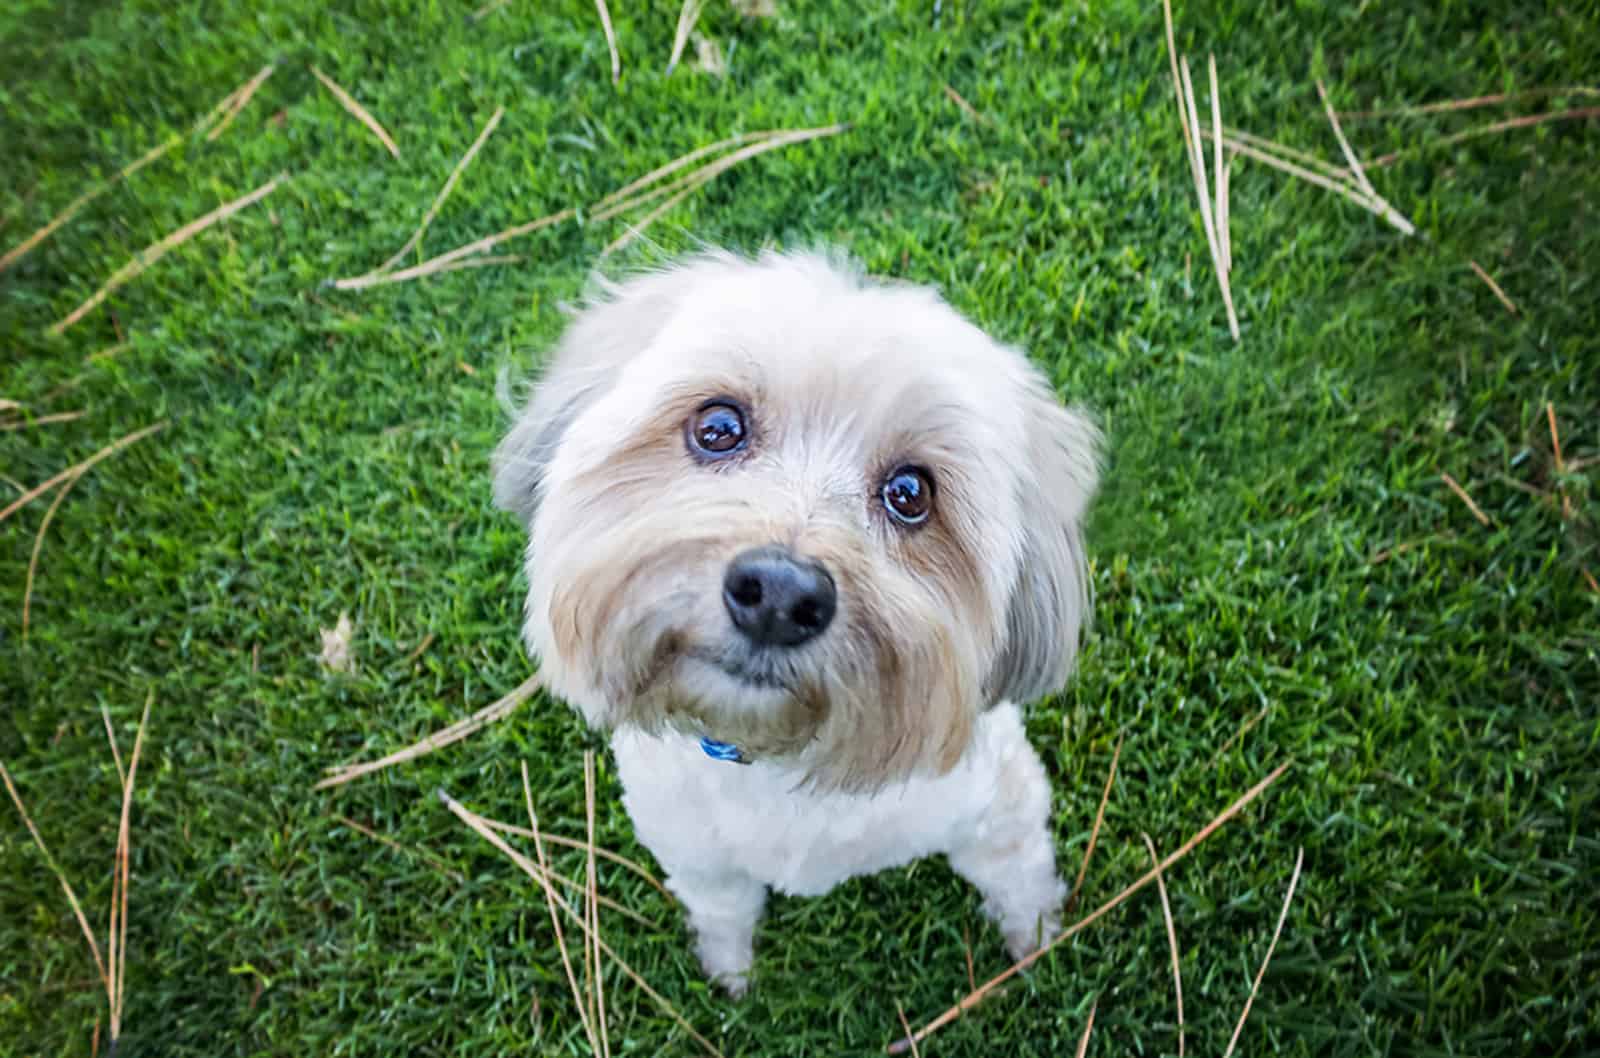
[{"x": 817, "y": 517}]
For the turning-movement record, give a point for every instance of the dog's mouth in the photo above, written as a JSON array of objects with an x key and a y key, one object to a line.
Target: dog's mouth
[{"x": 750, "y": 670}]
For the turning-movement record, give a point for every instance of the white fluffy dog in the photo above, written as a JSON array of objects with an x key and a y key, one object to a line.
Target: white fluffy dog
[{"x": 800, "y": 541}]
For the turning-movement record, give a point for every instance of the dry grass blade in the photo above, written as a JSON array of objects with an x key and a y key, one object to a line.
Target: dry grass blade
[
  {"x": 116, "y": 754},
  {"x": 118, "y": 954},
  {"x": 1237, "y": 735},
  {"x": 1083, "y": 1041},
  {"x": 702, "y": 176},
  {"x": 1555, "y": 437},
  {"x": 446, "y": 262},
  {"x": 78, "y": 469},
  {"x": 76, "y": 205},
  {"x": 767, "y": 142},
  {"x": 1219, "y": 171},
  {"x": 1094, "y": 832},
  {"x": 398, "y": 847},
  {"x": 61, "y": 877},
  {"x": 43, "y": 420},
  {"x": 107, "y": 353},
  {"x": 1350, "y": 158},
  {"x": 1189, "y": 118},
  {"x": 483, "y": 830},
  {"x": 444, "y": 737},
  {"x": 977, "y": 996},
  {"x": 444, "y": 192},
  {"x": 1477, "y": 512},
  {"x": 555, "y": 919},
  {"x": 239, "y": 100},
  {"x": 1526, "y": 121},
  {"x": 1344, "y": 190},
  {"x": 611, "y": 40},
  {"x": 1294, "y": 880},
  {"x": 33, "y": 559},
  {"x": 678, "y": 163},
  {"x": 357, "y": 111},
  {"x": 488, "y": 9},
  {"x": 1172, "y": 935},
  {"x": 1469, "y": 103},
  {"x": 905, "y": 1027},
  {"x": 1588, "y": 577},
  {"x": 1283, "y": 150},
  {"x": 156, "y": 251},
  {"x": 575, "y": 843},
  {"x": 1494, "y": 287},
  {"x": 966, "y": 107},
  {"x": 688, "y": 15},
  {"x": 1177, "y": 81},
  {"x": 594, "y": 902}
]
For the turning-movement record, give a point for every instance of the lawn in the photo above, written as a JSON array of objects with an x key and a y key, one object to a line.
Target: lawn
[{"x": 1283, "y": 574}]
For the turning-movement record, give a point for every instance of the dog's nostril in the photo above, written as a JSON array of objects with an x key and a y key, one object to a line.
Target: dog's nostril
[
  {"x": 806, "y": 614},
  {"x": 746, "y": 590}
]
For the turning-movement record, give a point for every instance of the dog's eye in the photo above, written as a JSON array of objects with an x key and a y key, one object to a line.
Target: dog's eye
[
  {"x": 908, "y": 495},
  {"x": 717, "y": 430}
]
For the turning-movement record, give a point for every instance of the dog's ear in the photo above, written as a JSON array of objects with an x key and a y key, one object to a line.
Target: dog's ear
[
  {"x": 608, "y": 332},
  {"x": 1050, "y": 601}
]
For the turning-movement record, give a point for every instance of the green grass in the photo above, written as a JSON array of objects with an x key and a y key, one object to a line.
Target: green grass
[{"x": 327, "y": 452}]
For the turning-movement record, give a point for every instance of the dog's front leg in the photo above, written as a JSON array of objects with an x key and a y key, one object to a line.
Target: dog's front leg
[
  {"x": 1009, "y": 854},
  {"x": 723, "y": 911}
]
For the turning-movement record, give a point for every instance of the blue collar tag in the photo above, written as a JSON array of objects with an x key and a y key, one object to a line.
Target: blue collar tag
[{"x": 722, "y": 751}]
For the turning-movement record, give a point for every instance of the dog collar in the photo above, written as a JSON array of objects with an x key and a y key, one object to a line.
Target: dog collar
[{"x": 722, "y": 751}]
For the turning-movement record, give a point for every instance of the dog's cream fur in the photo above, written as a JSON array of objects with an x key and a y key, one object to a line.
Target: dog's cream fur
[{"x": 893, "y": 734}]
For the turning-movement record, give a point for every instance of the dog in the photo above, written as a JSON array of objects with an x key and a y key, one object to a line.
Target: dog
[{"x": 800, "y": 541}]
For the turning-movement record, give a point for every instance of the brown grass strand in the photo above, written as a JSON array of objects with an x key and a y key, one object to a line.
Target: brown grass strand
[
  {"x": 966, "y": 108},
  {"x": 1172, "y": 935},
  {"x": 61, "y": 877},
  {"x": 1469, "y": 103},
  {"x": 1094, "y": 832},
  {"x": 1237, "y": 735},
  {"x": 1283, "y": 150},
  {"x": 976, "y": 997},
  {"x": 384, "y": 839},
  {"x": 1350, "y": 158},
  {"x": 1477, "y": 512},
  {"x": 116, "y": 754},
  {"x": 1177, "y": 81},
  {"x": 444, "y": 192},
  {"x": 555, "y": 919},
  {"x": 1219, "y": 172},
  {"x": 1343, "y": 190},
  {"x": 611, "y": 40},
  {"x": 575, "y": 843},
  {"x": 1088, "y": 1029},
  {"x": 682, "y": 160},
  {"x": 594, "y": 901},
  {"x": 483, "y": 830},
  {"x": 610, "y": 207},
  {"x": 688, "y": 15},
  {"x": 445, "y": 262},
  {"x": 239, "y": 100},
  {"x": 1255, "y": 985},
  {"x": 439, "y": 739},
  {"x": 119, "y": 953},
  {"x": 1555, "y": 437},
  {"x": 1197, "y": 166},
  {"x": 357, "y": 111},
  {"x": 38, "y": 545},
  {"x": 157, "y": 250},
  {"x": 1526, "y": 121},
  {"x": 1494, "y": 288},
  {"x": 77, "y": 469},
  {"x": 905, "y": 1026},
  {"x": 43, "y": 420}
]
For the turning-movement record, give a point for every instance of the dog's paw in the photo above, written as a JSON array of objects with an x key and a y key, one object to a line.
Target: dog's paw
[
  {"x": 735, "y": 984},
  {"x": 1022, "y": 941}
]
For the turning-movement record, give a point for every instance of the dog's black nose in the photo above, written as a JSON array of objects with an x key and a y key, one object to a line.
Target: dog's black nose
[{"x": 776, "y": 599}]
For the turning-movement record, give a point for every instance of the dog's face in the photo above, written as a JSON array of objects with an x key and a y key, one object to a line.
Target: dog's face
[{"x": 819, "y": 518}]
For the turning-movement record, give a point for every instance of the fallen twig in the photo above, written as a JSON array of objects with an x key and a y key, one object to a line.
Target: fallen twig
[
  {"x": 1094, "y": 832},
  {"x": 478, "y": 825},
  {"x": 239, "y": 101},
  {"x": 358, "y": 111},
  {"x": 1470, "y": 103},
  {"x": 439, "y": 739},
  {"x": 1493, "y": 287},
  {"x": 1083, "y": 1041},
  {"x": 1294, "y": 880},
  {"x": 1477, "y": 512},
  {"x": 1523, "y": 122},
  {"x": 42, "y": 420},
  {"x": 156, "y": 251},
  {"x": 1172, "y": 935},
  {"x": 688, "y": 15},
  {"x": 555, "y": 919},
  {"x": 611, "y": 40},
  {"x": 976, "y": 997},
  {"x": 444, "y": 193},
  {"x": 78, "y": 469},
  {"x": 1343, "y": 189},
  {"x": 446, "y": 262}
]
